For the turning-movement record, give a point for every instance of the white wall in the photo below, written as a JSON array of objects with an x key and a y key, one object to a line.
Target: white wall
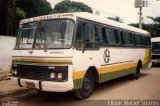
[{"x": 6, "y": 48}]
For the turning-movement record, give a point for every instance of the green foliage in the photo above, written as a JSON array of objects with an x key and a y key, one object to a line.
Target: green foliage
[
  {"x": 156, "y": 20},
  {"x": 71, "y": 6},
  {"x": 34, "y": 7},
  {"x": 116, "y": 18},
  {"x": 20, "y": 14},
  {"x": 154, "y": 28}
]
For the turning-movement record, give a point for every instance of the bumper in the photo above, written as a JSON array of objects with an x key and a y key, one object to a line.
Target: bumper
[
  {"x": 155, "y": 61},
  {"x": 45, "y": 85}
]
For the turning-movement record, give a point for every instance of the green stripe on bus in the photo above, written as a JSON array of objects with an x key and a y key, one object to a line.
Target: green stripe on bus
[
  {"x": 112, "y": 75},
  {"x": 106, "y": 76},
  {"x": 77, "y": 83}
]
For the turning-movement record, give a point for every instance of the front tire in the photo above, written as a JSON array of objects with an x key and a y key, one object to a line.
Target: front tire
[
  {"x": 87, "y": 87},
  {"x": 137, "y": 74}
]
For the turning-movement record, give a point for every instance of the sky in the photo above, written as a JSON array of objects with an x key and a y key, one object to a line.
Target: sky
[{"x": 123, "y": 8}]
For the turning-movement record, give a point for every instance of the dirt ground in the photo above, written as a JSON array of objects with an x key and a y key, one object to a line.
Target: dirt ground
[{"x": 145, "y": 88}]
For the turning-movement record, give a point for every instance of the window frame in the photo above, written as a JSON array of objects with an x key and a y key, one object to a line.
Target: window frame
[
  {"x": 135, "y": 43},
  {"x": 95, "y": 27},
  {"x": 129, "y": 34},
  {"x": 102, "y": 44},
  {"x": 144, "y": 41}
]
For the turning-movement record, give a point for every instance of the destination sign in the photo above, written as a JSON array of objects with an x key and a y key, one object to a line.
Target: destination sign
[{"x": 45, "y": 17}]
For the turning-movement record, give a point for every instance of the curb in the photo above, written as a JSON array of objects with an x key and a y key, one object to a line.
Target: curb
[{"x": 13, "y": 92}]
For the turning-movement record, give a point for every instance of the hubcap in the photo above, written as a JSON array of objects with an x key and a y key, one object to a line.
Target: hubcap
[{"x": 87, "y": 84}]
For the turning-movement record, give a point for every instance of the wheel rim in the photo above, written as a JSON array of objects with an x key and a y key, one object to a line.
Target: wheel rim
[{"x": 87, "y": 84}]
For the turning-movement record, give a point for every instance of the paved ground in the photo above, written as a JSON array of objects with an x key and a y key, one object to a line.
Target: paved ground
[{"x": 145, "y": 88}]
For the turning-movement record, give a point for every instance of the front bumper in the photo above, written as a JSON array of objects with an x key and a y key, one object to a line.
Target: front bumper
[
  {"x": 155, "y": 60},
  {"x": 45, "y": 85}
]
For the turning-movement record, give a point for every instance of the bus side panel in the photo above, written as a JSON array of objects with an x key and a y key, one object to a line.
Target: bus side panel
[
  {"x": 123, "y": 61},
  {"x": 83, "y": 61},
  {"x": 147, "y": 59},
  {"x": 129, "y": 59}
]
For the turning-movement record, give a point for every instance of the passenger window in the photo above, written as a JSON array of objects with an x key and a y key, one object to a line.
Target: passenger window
[
  {"x": 138, "y": 40},
  {"x": 147, "y": 41},
  {"x": 79, "y": 42},
  {"x": 112, "y": 36},
  {"x": 126, "y": 38},
  {"x": 100, "y": 34},
  {"x": 91, "y": 36},
  {"x": 104, "y": 35}
]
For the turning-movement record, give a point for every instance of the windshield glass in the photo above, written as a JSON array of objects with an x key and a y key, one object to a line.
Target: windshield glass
[
  {"x": 47, "y": 34},
  {"x": 156, "y": 47}
]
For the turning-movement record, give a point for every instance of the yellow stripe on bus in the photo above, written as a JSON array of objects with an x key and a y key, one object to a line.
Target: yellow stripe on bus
[
  {"x": 146, "y": 56},
  {"x": 116, "y": 68},
  {"x": 17, "y": 59},
  {"x": 78, "y": 74}
]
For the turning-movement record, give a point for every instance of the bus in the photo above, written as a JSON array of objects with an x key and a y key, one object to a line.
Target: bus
[
  {"x": 73, "y": 51},
  {"x": 155, "y": 50}
]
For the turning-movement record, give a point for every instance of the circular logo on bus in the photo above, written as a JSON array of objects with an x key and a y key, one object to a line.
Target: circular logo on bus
[{"x": 106, "y": 56}]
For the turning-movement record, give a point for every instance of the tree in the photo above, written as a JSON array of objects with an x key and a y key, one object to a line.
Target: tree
[
  {"x": 116, "y": 18},
  {"x": 156, "y": 26},
  {"x": 155, "y": 20},
  {"x": 3, "y": 15},
  {"x": 20, "y": 14},
  {"x": 34, "y": 8},
  {"x": 8, "y": 17},
  {"x": 71, "y": 6}
]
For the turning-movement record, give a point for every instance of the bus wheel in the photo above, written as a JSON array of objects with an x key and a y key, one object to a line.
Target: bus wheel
[
  {"x": 87, "y": 87},
  {"x": 137, "y": 74}
]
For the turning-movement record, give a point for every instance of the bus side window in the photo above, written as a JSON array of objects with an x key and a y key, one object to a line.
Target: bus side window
[
  {"x": 147, "y": 41},
  {"x": 79, "y": 42},
  {"x": 112, "y": 36},
  {"x": 104, "y": 35},
  {"x": 138, "y": 40},
  {"x": 100, "y": 34},
  {"x": 91, "y": 36},
  {"x": 126, "y": 38}
]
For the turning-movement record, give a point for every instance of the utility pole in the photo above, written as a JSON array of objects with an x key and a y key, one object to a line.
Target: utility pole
[
  {"x": 140, "y": 18},
  {"x": 139, "y": 4}
]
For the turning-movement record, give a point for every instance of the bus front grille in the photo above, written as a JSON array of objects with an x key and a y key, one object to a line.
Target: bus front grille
[{"x": 33, "y": 72}]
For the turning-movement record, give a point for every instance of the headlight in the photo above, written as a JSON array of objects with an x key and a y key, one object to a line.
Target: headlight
[
  {"x": 60, "y": 76},
  {"x": 15, "y": 72},
  {"x": 52, "y": 75}
]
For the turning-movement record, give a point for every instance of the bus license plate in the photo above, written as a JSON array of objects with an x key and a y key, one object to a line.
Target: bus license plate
[{"x": 30, "y": 85}]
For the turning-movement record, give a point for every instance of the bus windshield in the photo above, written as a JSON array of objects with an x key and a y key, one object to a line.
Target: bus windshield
[
  {"x": 156, "y": 47},
  {"x": 49, "y": 34}
]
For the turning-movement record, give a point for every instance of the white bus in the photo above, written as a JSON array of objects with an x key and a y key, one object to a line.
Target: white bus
[
  {"x": 155, "y": 50},
  {"x": 72, "y": 51}
]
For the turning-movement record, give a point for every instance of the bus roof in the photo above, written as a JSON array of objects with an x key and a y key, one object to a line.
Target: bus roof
[
  {"x": 155, "y": 39},
  {"x": 87, "y": 16}
]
